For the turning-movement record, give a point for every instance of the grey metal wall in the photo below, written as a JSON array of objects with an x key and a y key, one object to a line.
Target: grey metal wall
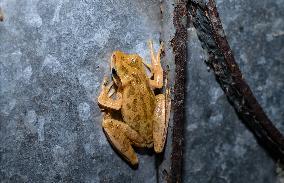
[{"x": 54, "y": 53}]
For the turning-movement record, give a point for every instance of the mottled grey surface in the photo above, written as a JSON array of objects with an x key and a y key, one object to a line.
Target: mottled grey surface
[
  {"x": 53, "y": 56},
  {"x": 54, "y": 53},
  {"x": 219, "y": 148}
]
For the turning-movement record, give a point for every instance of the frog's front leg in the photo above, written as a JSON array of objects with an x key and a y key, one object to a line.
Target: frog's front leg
[
  {"x": 105, "y": 99},
  {"x": 161, "y": 120},
  {"x": 156, "y": 68},
  {"x": 122, "y": 137}
]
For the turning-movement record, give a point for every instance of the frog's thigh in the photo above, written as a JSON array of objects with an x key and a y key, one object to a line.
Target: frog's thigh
[
  {"x": 121, "y": 137},
  {"x": 160, "y": 124}
]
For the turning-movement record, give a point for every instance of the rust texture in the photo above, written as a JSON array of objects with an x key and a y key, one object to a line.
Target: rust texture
[
  {"x": 221, "y": 60},
  {"x": 180, "y": 51}
]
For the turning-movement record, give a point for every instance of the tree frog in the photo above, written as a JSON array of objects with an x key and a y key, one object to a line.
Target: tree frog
[{"x": 144, "y": 115}]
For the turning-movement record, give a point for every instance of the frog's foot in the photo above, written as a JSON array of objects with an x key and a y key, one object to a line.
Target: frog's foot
[
  {"x": 105, "y": 98},
  {"x": 161, "y": 120},
  {"x": 156, "y": 68},
  {"x": 122, "y": 137}
]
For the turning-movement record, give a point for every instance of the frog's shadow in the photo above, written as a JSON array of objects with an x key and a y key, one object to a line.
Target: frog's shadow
[
  {"x": 144, "y": 150},
  {"x": 140, "y": 151}
]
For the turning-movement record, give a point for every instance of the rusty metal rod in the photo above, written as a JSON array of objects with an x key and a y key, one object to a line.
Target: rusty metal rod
[{"x": 180, "y": 52}]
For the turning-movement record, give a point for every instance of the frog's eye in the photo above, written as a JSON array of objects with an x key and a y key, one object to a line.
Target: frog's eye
[{"x": 113, "y": 71}]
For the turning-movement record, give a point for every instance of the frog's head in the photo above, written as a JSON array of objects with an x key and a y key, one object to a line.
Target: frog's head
[{"x": 125, "y": 67}]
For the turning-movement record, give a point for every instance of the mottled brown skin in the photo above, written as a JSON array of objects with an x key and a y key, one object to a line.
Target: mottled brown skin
[
  {"x": 144, "y": 115},
  {"x": 138, "y": 105}
]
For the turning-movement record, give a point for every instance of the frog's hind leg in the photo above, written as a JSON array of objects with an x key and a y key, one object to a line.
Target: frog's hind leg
[
  {"x": 156, "y": 68},
  {"x": 122, "y": 137},
  {"x": 161, "y": 120}
]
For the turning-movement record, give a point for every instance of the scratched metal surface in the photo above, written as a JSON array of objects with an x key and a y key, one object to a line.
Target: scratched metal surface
[{"x": 219, "y": 148}]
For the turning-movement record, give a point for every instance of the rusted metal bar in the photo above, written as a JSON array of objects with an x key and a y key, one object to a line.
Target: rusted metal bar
[{"x": 180, "y": 52}]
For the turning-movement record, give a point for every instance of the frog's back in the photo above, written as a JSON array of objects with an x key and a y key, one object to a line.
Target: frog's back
[{"x": 138, "y": 108}]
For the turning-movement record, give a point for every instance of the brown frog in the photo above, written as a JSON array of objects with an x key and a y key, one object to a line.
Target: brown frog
[{"x": 145, "y": 115}]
